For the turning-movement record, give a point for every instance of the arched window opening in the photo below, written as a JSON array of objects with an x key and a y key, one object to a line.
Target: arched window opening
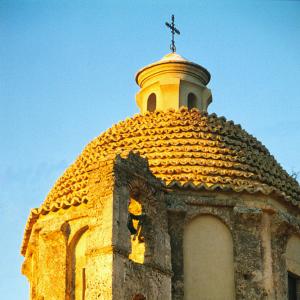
[
  {"x": 135, "y": 226},
  {"x": 139, "y": 297},
  {"x": 293, "y": 286},
  {"x": 293, "y": 267},
  {"x": 208, "y": 260},
  {"x": 192, "y": 101},
  {"x": 151, "y": 104}
]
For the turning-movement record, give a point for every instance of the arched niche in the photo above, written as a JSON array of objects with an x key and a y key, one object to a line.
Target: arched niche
[
  {"x": 208, "y": 260},
  {"x": 191, "y": 101},
  {"x": 76, "y": 261},
  {"x": 151, "y": 102},
  {"x": 293, "y": 255}
]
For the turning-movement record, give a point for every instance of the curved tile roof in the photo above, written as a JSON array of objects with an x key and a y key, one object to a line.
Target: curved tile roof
[{"x": 184, "y": 148}]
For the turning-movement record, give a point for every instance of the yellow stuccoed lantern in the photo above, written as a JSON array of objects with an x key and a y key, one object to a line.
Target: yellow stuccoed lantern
[{"x": 173, "y": 82}]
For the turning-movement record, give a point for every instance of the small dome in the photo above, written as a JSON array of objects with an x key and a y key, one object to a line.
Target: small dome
[
  {"x": 186, "y": 149},
  {"x": 173, "y": 56}
]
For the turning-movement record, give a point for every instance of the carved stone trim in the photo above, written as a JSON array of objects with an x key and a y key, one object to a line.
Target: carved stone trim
[{"x": 138, "y": 187}]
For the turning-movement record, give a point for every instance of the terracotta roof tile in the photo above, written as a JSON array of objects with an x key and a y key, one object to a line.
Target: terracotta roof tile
[{"x": 186, "y": 149}]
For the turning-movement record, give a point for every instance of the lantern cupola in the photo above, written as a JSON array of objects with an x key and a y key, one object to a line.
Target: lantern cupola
[{"x": 173, "y": 82}]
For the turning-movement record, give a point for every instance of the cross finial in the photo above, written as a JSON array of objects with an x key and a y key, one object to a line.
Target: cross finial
[{"x": 173, "y": 31}]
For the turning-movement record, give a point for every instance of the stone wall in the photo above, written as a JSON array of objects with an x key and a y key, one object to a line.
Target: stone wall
[
  {"x": 260, "y": 227},
  {"x": 152, "y": 278},
  {"x": 259, "y": 232}
]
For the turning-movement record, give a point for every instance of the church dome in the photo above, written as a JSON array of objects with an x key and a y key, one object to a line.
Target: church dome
[
  {"x": 185, "y": 149},
  {"x": 175, "y": 201}
]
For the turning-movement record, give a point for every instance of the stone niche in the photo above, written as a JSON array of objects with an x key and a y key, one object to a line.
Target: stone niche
[
  {"x": 232, "y": 245},
  {"x": 208, "y": 247}
]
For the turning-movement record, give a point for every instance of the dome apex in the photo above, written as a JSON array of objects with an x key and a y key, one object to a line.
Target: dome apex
[{"x": 173, "y": 56}]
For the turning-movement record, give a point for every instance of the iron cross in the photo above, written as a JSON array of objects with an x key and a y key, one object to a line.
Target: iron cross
[{"x": 173, "y": 30}]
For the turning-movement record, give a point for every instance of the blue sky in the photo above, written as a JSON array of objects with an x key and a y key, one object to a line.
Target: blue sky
[{"x": 67, "y": 74}]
